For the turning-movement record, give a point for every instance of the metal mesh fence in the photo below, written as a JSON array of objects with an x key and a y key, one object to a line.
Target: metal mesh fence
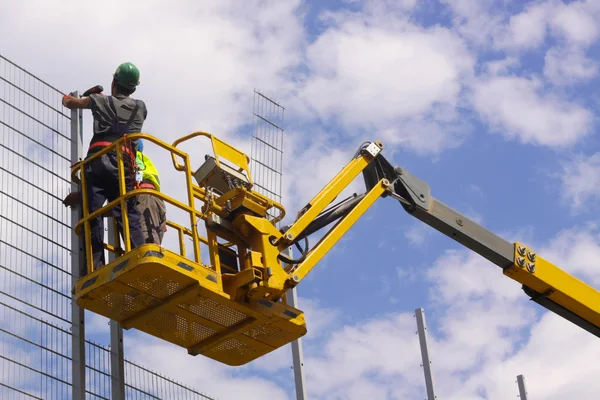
[
  {"x": 35, "y": 262},
  {"x": 266, "y": 162}
]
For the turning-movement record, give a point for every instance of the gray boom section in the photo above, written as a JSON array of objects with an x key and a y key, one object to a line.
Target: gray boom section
[
  {"x": 414, "y": 195},
  {"x": 467, "y": 232}
]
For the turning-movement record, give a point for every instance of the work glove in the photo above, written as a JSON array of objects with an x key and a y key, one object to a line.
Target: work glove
[
  {"x": 65, "y": 97},
  {"x": 72, "y": 199}
]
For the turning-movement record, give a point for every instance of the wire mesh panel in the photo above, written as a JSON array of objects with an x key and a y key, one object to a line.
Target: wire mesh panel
[
  {"x": 35, "y": 306},
  {"x": 34, "y": 172},
  {"x": 144, "y": 384},
  {"x": 266, "y": 163},
  {"x": 36, "y": 359}
]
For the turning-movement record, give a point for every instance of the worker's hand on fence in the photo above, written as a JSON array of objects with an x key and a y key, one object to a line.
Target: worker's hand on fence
[
  {"x": 72, "y": 199},
  {"x": 64, "y": 99}
]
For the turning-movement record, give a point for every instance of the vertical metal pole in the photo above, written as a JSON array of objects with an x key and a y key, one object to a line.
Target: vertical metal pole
[
  {"x": 77, "y": 266},
  {"x": 297, "y": 354},
  {"x": 422, "y": 331},
  {"x": 522, "y": 388},
  {"x": 117, "y": 364}
]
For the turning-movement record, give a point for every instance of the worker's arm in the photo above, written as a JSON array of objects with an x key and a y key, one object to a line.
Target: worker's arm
[{"x": 75, "y": 102}]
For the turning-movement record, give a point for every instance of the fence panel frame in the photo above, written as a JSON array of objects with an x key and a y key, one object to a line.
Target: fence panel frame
[{"x": 42, "y": 336}]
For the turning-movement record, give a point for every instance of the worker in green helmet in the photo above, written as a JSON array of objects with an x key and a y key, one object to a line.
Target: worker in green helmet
[{"x": 114, "y": 116}]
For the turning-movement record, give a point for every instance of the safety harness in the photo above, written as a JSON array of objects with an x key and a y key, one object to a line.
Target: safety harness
[{"x": 120, "y": 129}]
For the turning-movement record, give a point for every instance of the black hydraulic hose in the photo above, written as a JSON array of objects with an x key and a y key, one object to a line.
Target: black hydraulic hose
[
  {"x": 360, "y": 149},
  {"x": 325, "y": 218},
  {"x": 328, "y": 217},
  {"x": 304, "y": 252}
]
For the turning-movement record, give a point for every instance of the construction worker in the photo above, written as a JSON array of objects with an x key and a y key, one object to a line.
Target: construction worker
[
  {"x": 152, "y": 208},
  {"x": 114, "y": 116}
]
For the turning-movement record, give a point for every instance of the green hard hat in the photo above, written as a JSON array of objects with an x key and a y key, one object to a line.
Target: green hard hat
[{"x": 127, "y": 75}]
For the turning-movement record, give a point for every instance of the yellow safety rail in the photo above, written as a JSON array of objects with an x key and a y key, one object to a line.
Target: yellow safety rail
[
  {"x": 78, "y": 176},
  {"x": 234, "y": 309},
  {"x": 180, "y": 299}
]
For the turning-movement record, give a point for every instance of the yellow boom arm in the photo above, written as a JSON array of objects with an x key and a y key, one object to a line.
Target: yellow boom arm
[
  {"x": 233, "y": 309},
  {"x": 544, "y": 282}
]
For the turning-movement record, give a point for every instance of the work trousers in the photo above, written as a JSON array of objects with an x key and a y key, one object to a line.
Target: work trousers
[
  {"x": 102, "y": 183},
  {"x": 154, "y": 217}
]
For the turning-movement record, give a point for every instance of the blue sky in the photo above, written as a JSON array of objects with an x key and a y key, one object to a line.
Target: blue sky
[{"x": 492, "y": 103}]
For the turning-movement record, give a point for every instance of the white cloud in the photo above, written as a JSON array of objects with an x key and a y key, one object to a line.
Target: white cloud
[
  {"x": 417, "y": 233},
  {"x": 580, "y": 180},
  {"x": 408, "y": 275},
  {"x": 479, "y": 21},
  {"x": 489, "y": 317},
  {"x": 488, "y": 333},
  {"x": 313, "y": 161},
  {"x": 395, "y": 78},
  {"x": 521, "y": 108},
  {"x": 502, "y": 66},
  {"x": 576, "y": 251},
  {"x": 525, "y": 30},
  {"x": 374, "y": 71},
  {"x": 319, "y": 319},
  {"x": 568, "y": 65},
  {"x": 474, "y": 189},
  {"x": 572, "y": 25},
  {"x": 411, "y": 71},
  {"x": 199, "y": 64},
  {"x": 375, "y": 351},
  {"x": 575, "y": 21},
  {"x": 96, "y": 324},
  {"x": 214, "y": 379},
  {"x": 461, "y": 276},
  {"x": 489, "y": 22},
  {"x": 571, "y": 366}
]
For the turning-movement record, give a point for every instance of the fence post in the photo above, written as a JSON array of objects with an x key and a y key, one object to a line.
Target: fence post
[
  {"x": 117, "y": 363},
  {"x": 77, "y": 266},
  {"x": 522, "y": 388},
  {"x": 422, "y": 331},
  {"x": 298, "y": 357},
  {"x": 297, "y": 354}
]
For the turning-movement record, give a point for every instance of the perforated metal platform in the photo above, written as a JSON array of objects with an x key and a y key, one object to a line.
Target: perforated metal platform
[{"x": 165, "y": 295}]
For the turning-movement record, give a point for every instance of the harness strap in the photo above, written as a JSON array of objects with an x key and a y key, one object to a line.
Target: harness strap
[
  {"x": 117, "y": 127},
  {"x": 105, "y": 144},
  {"x": 147, "y": 186}
]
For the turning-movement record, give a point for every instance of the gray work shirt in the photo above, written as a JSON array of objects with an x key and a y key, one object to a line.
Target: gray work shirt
[{"x": 104, "y": 116}]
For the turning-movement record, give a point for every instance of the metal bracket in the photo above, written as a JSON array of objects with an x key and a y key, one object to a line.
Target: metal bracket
[
  {"x": 373, "y": 149},
  {"x": 525, "y": 258},
  {"x": 541, "y": 295}
]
